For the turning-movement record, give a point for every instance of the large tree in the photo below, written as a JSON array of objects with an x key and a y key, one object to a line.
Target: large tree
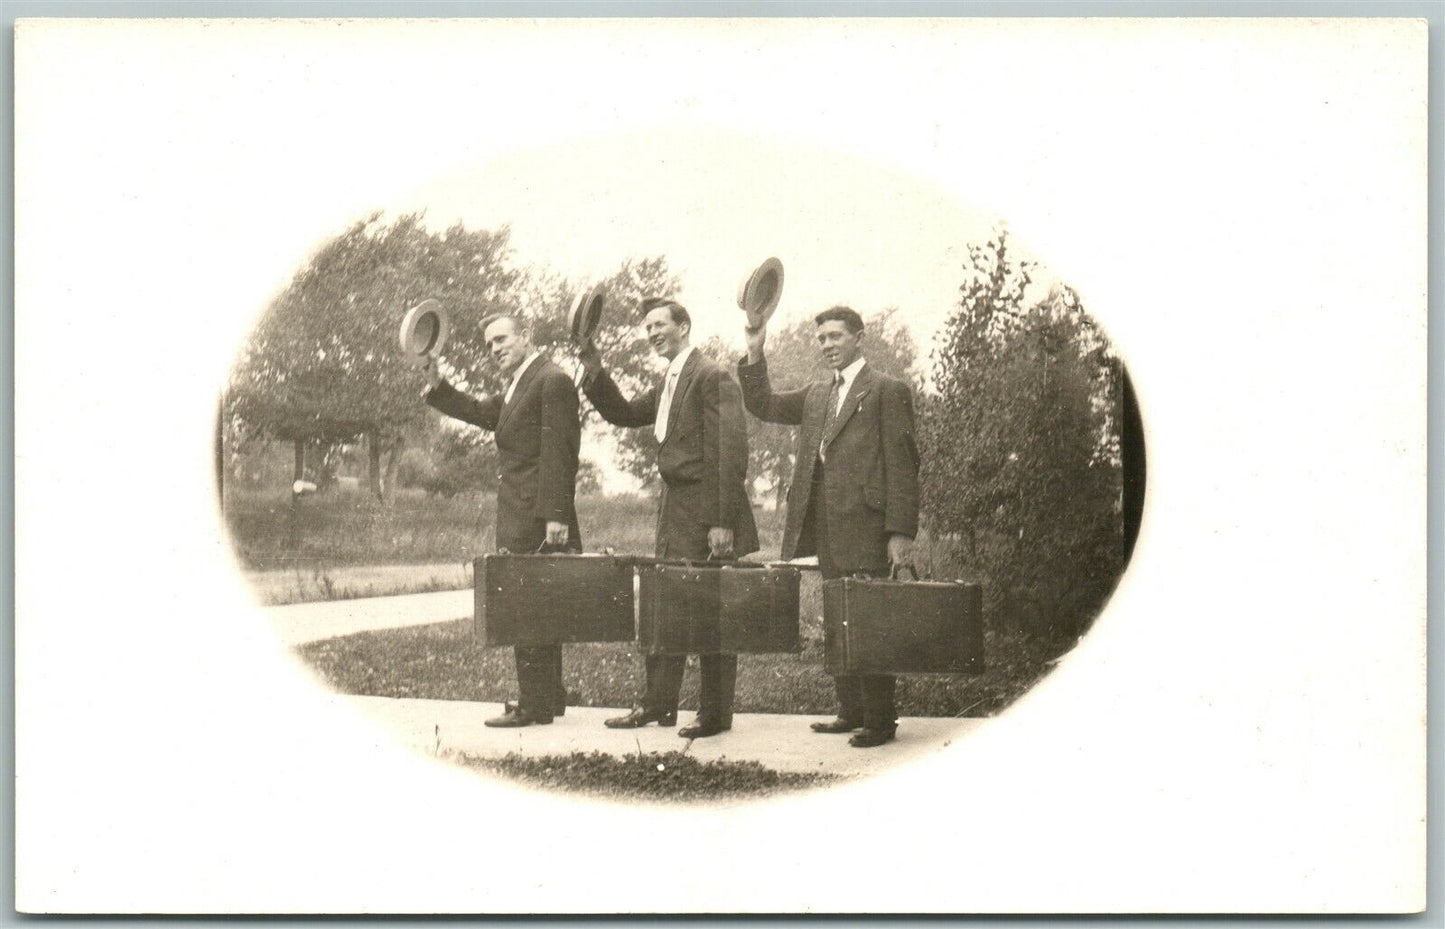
[
  {"x": 1020, "y": 443},
  {"x": 323, "y": 366}
]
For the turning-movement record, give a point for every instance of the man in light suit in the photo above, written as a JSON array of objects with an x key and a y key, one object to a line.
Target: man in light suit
[
  {"x": 538, "y": 433},
  {"x": 696, "y": 413},
  {"x": 853, "y": 500}
]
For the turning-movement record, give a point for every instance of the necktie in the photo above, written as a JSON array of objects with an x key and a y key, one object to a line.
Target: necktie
[
  {"x": 664, "y": 406},
  {"x": 830, "y": 418}
]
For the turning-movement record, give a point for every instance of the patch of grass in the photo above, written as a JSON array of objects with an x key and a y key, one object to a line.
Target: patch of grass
[
  {"x": 652, "y": 776},
  {"x": 443, "y": 662},
  {"x": 346, "y": 527},
  {"x": 282, "y": 586}
]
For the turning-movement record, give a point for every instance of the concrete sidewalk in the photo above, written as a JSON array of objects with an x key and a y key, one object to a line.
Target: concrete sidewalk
[
  {"x": 776, "y": 741},
  {"x": 307, "y": 622}
]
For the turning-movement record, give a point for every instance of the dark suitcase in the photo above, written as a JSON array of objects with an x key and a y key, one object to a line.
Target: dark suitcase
[
  {"x": 692, "y": 609},
  {"x": 886, "y": 626},
  {"x": 552, "y": 599}
]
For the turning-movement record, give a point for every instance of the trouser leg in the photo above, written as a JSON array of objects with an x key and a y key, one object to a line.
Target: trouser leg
[
  {"x": 850, "y": 697},
  {"x": 558, "y": 687},
  {"x": 536, "y": 690},
  {"x": 719, "y": 683},
  {"x": 664, "y": 682},
  {"x": 877, "y": 692}
]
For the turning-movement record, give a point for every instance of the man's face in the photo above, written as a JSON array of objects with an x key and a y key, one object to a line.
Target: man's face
[
  {"x": 667, "y": 337},
  {"x": 508, "y": 345},
  {"x": 840, "y": 346}
]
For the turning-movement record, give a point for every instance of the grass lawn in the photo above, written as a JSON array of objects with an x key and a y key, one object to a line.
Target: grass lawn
[
  {"x": 340, "y": 544},
  {"x": 649, "y": 776},
  {"x": 442, "y": 662}
]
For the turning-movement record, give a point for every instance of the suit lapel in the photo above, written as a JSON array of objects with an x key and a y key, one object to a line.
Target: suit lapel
[
  {"x": 684, "y": 378},
  {"x": 815, "y": 414},
  {"x": 856, "y": 392},
  {"x": 525, "y": 384}
]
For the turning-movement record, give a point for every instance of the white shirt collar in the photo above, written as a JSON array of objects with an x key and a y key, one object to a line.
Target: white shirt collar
[
  {"x": 517, "y": 375},
  {"x": 674, "y": 367},
  {"x": 850, "y": 374}
]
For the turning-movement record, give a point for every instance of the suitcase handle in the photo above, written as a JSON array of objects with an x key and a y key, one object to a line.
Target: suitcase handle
[{"x": 897, "y": 569}]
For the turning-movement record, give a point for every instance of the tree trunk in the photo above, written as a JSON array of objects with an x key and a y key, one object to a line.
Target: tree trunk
[
  {"x": 373, "y": 455},
  {"x": 393, "y": 463},
  {"x": 298, "y": 471}
]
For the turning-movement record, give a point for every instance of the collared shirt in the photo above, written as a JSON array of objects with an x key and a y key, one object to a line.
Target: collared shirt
[
  {"x": 844, "y": 379},
  {"x": 669, "y": 385},
  {"x": 848, "y": 375},
  {"x": 517, "y": 375}
]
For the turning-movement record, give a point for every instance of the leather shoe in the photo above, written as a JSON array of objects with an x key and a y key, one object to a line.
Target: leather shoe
[
  {"x": 838, "y": 725},
  {"x": 514, "y": 717},
  {"x": 868, "y": 738},
  {"x": 641, "y": 716},
  {"x": 702, "y": 728}
]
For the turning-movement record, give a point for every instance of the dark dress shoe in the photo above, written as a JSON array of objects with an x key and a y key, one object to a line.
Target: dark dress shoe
[
  {"x": 515, "y": 717},
  {"x": 702, "y": 728},
  {"x": 641, "y": 716},
  {"x": 868, "y": 738},
  {"x": 838, "y": 725},
  {"x": 561, "y": 708}
]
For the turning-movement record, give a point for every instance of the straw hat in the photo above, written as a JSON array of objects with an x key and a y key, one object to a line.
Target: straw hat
[
  {"x": 424, "y": 330},
  {"x": 760, "y": 291},
  {"x": 586, "y": 314}
]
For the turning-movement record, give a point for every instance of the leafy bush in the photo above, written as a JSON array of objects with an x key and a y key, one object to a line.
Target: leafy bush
[
  {"x": 1020, "y": 447},
  {"x": 458, "y": 461}
]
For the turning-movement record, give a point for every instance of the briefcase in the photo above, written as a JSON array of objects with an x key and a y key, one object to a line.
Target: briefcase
[
  {"x": 701, "y": 608},
  {"x": 890, "y": 626},
  {"x": 551, "y": 599}
]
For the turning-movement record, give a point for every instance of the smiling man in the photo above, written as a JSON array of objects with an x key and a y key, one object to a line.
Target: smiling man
[
  {"x": 538, "y": 433},
  {"x": 696, "y": 414},
  {"x": 853, "y": 500}
]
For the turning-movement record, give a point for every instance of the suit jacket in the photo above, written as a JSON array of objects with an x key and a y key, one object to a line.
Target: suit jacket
[
  {"x": 538, "y": 435},
  {"x": 703, "y": 460},
  {"x": 870, "y": 467}
]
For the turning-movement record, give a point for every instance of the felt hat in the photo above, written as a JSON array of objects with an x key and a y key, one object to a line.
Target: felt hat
[
  {"x": 586, "y": 314},
  {"x": 760, "y": 291},
  {"x": 424, "y": 330}
]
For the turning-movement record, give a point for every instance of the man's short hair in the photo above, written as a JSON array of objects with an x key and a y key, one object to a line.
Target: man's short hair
[
  {"x": 676, "y": 310},
  {"x": 847, "y": 314},
  {"x": 518, "y": 323}
]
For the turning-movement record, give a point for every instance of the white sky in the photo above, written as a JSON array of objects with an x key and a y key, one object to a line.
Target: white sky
[{"x": 848, "y": 230}]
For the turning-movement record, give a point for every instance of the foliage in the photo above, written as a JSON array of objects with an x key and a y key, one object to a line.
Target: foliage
[
  {"x": 1019, "y": 445},
  {"x": 340, "y": 527},
  {"x": 323, "y": 364},
  {"x": 458, "y": 460}
]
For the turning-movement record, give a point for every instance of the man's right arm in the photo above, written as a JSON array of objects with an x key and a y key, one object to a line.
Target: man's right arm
[
  {"x": 607, "y": 398},
  {"x": 758, "y": 395},
  {"x": 446, "y": 398}
]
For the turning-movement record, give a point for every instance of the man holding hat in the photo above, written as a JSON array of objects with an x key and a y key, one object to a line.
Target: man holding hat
[
  {"x": 538, "y": 433},
  {"x": 853, "y": 500},
  {"x": 696, "y": 413}
]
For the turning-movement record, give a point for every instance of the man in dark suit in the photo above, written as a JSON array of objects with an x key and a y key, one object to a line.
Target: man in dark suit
[
  {"x": 538, "y": 432},
  {"x": 853, "y": 500},
  {"x": 696, "y": 413}
]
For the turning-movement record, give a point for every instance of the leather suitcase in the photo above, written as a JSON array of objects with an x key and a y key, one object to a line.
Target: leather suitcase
[
  {"x": 693, "y": 609},
  {"x": 887, "y": 626},
  {"x": 552, "y": 599}
]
